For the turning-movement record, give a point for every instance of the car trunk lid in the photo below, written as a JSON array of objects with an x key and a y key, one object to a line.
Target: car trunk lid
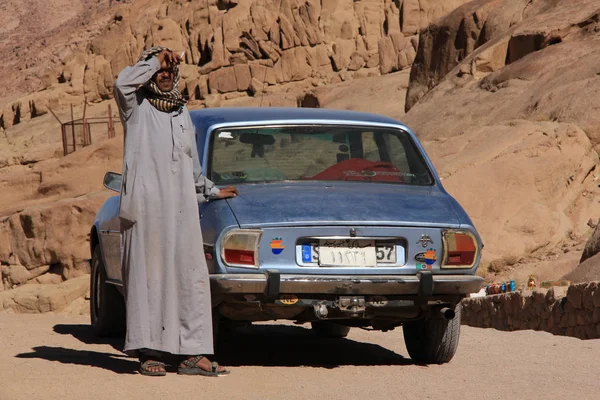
[{"x": 332, "y": 203}]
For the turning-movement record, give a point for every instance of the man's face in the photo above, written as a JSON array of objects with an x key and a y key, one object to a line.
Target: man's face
[{"x": 164, "y": 79}]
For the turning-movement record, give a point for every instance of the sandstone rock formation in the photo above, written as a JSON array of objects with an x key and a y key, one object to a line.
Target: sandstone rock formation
[
  {"x": 230, "y": 47},
  {"x": 45, "y": 297},
  {"x": 47, "y": 208},
  {"x": 589, "y": 267},
  {"x": 502, "y": 93},
  {"x": 48, "y": 243},
  {"x": 524, "y": 192},
  {"x": 592, "y": 247},
  {"x": 589, "y": 270}
]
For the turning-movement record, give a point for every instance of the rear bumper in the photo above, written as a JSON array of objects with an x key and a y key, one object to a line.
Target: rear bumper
[{"x": 272, "y": 284}]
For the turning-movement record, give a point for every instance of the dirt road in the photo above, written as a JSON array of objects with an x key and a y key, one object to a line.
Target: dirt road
[{"x": 56, "y": 357}]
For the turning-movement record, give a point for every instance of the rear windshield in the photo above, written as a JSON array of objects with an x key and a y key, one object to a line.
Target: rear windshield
[{"x": 315, "y": 152}]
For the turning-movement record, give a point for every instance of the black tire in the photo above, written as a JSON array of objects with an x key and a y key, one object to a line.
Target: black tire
[
  {"x": 107, "y": 306},
  {"x": 434, "y": 340},
  {"x": 329, "y": 329}
]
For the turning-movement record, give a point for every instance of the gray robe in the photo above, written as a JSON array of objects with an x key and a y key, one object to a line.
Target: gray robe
[{"x": 165, "y": 275}]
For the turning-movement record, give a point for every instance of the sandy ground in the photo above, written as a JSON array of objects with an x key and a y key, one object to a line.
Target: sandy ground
[{"x": 56, "y": 357}]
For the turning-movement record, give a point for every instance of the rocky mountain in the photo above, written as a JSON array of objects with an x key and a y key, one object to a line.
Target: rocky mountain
[
  {"x": 232, "y": 48},
  {"x": 504, "y": 94}
]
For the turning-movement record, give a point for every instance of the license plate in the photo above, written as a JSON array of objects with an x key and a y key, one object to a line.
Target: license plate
[
  {"x": 347, "y": 253},
  {"x": 385, "y": 253}
]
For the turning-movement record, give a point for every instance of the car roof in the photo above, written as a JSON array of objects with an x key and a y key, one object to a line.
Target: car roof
[{"x": 204, "y": 118}]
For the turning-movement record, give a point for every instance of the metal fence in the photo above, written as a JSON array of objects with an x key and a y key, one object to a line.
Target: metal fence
[
  {"x": 75, "y": 134},
  {"x": 78, "y": 133}
]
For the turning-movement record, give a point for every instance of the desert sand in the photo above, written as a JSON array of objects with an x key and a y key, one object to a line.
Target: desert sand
[{"x": 55, "y": 357}]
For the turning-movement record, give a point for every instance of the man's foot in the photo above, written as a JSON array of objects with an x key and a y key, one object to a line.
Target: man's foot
[
  {"x": 200, "y": 365},
  {"x": 152, "y": 368}
]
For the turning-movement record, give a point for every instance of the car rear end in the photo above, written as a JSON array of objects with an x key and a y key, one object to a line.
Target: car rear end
[
  {"x": 342, "y": 221},
  {"x": 381, "y": 276}
]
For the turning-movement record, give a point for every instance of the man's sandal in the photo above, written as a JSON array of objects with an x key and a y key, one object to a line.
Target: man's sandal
[
  {"x": 146, "y": 366},
  {"x": 191, "y": 368}
]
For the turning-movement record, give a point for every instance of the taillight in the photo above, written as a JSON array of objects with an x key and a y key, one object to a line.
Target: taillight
[
  {"x": 240, "y": 248},
  {"x": 460, "y": 249}
]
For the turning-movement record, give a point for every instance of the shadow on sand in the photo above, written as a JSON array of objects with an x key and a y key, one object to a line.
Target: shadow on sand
[
  {"x": 256, "y": 345},
  {"x": 112, "y": 362},
  {"x": 118, "y": 363},
  {"x": 293, "y": 346}
]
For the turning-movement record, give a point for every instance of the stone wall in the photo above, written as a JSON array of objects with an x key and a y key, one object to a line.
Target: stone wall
[{"x": 572, "y": 311}]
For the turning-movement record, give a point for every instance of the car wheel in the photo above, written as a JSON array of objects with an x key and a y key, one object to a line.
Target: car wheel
[
  {"x": 107, "y": 306},
  {"x": 433, "y": 340},
  {"x": 329, "y": 329}
]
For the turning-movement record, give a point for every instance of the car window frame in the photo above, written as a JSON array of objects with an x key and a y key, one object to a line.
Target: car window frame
[{"x": 419, "y": 155}]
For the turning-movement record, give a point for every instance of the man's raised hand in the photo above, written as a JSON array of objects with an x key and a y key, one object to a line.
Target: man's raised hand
[{"x": 168, "y": 59}]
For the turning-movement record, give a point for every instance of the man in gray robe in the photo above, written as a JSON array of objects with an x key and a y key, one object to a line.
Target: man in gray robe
[{"x": 165, "y": 276}]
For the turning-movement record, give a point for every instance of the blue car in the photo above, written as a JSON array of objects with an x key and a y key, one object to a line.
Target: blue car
[{"x": 341, "y": 222}]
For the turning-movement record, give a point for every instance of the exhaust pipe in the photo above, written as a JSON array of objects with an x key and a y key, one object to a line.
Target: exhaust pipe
[{"x": 448, "y": 313}]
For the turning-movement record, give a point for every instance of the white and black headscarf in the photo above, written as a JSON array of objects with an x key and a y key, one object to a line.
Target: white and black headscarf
[{"x": 163, "y": 101}]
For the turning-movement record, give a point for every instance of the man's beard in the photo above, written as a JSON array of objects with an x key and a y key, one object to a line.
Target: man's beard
[{"x": 165, "y": 84}]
